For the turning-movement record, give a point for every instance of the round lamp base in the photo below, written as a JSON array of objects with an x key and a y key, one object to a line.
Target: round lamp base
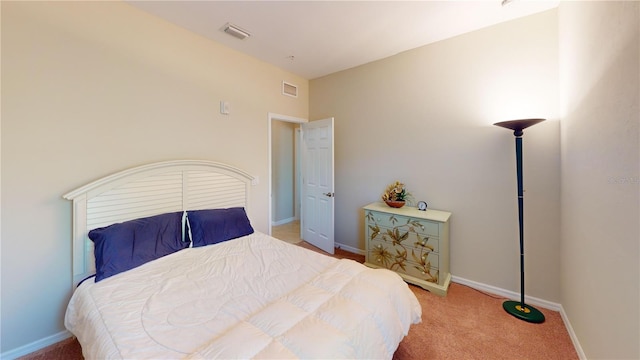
[{"x": 523, "y": 311}]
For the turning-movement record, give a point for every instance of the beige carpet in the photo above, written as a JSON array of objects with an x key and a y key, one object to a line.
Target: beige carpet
[{"x": 466, "y": 324}]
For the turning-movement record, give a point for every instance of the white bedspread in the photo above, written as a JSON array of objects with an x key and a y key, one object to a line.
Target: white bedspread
[{"x": 253, "y": 297}]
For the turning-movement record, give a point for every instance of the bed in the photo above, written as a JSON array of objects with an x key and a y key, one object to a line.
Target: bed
[{"x": 169, "y": 266}]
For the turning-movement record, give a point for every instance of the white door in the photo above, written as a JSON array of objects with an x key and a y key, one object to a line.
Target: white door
[{"x": 316, "y": 223}]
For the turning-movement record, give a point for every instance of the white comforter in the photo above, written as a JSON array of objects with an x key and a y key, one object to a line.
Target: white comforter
[{"x": 253, "y": 297}]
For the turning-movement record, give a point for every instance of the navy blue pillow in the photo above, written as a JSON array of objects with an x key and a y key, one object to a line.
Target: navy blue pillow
[
  {"x": 217, "y": 225},
  {"x": 124, "y": 246}
]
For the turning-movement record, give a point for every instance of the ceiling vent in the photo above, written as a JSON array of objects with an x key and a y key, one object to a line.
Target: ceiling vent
[
  {"x": 289, "y": 89},
  {"x": 235, "y": 31}
]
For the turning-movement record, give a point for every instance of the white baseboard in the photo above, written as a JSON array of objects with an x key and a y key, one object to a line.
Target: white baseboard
[
  {"x": 572, "y": 334},
  {"x": 283, "y": 221},
  {"x": 35, "y": 346},
  {"x": 349, "y": 249},
  {"x": 511, "y": 295}
]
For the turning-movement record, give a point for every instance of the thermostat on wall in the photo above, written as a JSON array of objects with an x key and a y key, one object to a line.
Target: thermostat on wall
[{"x": 224, "y": 108}]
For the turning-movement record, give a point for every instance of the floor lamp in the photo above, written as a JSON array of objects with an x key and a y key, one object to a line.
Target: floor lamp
[{"x": 518, "y": 308}]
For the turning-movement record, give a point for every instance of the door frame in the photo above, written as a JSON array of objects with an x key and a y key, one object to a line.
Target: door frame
[{"x": 276, "y": 117}]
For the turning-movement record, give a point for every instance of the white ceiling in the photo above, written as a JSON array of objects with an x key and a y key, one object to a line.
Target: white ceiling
[{"x": 324, "y": 37}]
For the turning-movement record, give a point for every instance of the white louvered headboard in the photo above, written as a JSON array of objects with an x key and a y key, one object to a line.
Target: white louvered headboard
[{"x": 148, "y": 190}]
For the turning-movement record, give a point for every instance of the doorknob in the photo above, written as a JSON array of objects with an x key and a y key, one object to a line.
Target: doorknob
[{"x": 329, "y": 194}]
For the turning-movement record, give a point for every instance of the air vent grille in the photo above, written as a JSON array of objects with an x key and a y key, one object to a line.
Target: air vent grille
[
  {"x": 235, "y": 31},
  {"x": 289, "y": 89}
]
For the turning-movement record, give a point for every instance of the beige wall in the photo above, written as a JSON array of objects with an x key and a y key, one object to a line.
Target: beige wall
[
  {"x": 90, "y": 88},
  {"x": 600, "y": 61},
  {"x": 425, "y": 117}
]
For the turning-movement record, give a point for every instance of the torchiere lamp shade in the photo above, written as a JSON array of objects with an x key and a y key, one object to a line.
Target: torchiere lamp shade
[
  {"x": 518, "y": 125},
  {"x": 518, "y": 308}
]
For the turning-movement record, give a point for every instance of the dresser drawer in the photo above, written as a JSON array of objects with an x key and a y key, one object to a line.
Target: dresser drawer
[
  {"x": 420, "y": 226},
  {"x": 413, "y": 239},
  {"x": 426, "y": 270},
  {"x": 384, "y": 252},
  {"x": 430, "y": 274}
]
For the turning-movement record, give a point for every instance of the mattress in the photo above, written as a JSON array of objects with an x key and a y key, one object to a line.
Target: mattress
[{"x": 252, "y": 297}]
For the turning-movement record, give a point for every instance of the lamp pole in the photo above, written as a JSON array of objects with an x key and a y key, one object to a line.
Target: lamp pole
[{"x": 519, "y": 309}]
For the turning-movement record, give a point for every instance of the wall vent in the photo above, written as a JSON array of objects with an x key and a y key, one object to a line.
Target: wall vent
[{"x": 289, "y": 89}]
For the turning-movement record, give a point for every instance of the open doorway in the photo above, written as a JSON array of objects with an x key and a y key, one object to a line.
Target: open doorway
[
  {"x": 285, "y": 201},
  {"x": 284, "y": 176}
]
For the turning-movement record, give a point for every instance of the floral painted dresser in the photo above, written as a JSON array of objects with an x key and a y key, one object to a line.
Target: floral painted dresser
[{"x": 413, "y": 243}]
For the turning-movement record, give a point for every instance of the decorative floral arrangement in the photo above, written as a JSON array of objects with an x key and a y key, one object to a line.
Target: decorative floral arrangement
[{"x": 396, "y": 192}]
